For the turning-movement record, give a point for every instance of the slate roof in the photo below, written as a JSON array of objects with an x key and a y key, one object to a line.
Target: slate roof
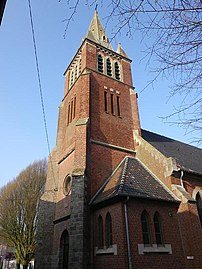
[
  {"x": 132, "y": 179},
  {"x": 188, "y": 158},
  {"x": 96, "y": 32}
]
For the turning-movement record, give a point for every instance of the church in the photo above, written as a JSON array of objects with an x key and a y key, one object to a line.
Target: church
[{"x": 116, "y": 196}]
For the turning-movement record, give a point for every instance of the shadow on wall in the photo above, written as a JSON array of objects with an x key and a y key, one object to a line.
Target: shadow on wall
[
  {"x": 45, "y": 231},
  {"x": 108, "y": 130}
]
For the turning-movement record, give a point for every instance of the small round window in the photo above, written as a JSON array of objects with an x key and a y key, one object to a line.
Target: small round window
[{"x": 67, "y": 185}]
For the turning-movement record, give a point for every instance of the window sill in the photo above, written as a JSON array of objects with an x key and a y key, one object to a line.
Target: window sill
[
  {"x": 154, "y": 248},
  {"x": 106, "y": 251}
]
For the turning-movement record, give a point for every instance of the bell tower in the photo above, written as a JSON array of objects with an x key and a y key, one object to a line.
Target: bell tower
[{"x": 97, "y": 118}]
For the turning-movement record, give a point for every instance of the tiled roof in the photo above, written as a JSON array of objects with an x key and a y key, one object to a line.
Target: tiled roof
[
  {"x": 187, "y": 157},
  {"x": 132, "y": 179}
]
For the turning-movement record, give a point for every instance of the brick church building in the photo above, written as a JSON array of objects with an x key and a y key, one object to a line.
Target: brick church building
[{"x": 116, "y": 196}]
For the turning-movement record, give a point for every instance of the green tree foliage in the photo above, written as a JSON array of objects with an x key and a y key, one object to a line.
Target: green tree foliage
[
  {"x": 19, "y": 206},
  {"x": 172, "y": 30}
]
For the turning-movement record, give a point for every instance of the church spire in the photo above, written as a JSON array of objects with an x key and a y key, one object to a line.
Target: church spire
[
  {"x": 121, "y": 51},
  {"x": 97, "y": 33}
]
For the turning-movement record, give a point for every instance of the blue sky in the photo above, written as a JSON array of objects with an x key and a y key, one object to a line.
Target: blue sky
[{"x": 22, "y": 129}]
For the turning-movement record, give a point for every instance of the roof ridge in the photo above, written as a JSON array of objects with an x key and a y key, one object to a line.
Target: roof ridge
[
  {"x": 123, "y": 176},
  {"x": 106, "y": 181},
  {"x": 171, "y": 138}
]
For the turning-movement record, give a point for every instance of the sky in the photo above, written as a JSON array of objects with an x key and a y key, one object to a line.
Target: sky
[{"x": 23, "y": 138}]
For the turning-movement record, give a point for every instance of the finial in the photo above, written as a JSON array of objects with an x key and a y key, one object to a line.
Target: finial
[
  {"x": 121, "y": 51},
  {"x": 96, "y": 6}
]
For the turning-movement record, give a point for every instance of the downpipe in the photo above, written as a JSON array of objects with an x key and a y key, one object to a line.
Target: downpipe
[{"x": 127, "y": 234}]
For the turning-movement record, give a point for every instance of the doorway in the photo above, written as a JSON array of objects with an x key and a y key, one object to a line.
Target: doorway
[{"x": 64, "y": 250}]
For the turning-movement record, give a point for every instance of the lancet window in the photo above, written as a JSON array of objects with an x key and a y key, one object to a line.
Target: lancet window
[
  {"x": 100, "y": 64},
  {"x": 108, "y": 67}
]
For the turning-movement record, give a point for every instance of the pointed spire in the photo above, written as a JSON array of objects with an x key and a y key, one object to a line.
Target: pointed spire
[
  {"x": 97, "y": 33},
  {"x": 121, "y": 51}
]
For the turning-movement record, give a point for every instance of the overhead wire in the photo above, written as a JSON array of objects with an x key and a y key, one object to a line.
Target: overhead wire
[{"x": 40, "y": 90}]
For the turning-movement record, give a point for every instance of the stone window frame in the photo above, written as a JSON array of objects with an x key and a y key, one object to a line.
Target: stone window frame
[
  {"x": 112, "y": 102},
  {"x": 158, "y": 229},
  {"x": 104, "y": 248},
  {"x": 146, "y": 228},
  {"x": 100, "y": 233},
  {"x": 198, "y": 191},
  {"x": 71, "y": 80},
  {"x": 112, "y": 62},
  {"x": 109, "y": 67},
  {"x": 67, "y": 185},
  {"x": 71, "y": 110},
  {"x": 199, "y": 206},
  {"x": 75, "y": 71},
  {"x": 99, "y": 57},
  {"x": 68, "y": 113},
  {"x": 119, "y": 70},
  {"x": 106, "y": 101},
  {"x": 118, "y": 104},
  {"x": 74, "y": 106},
  {"x": 153, "y": 248},
  {"x": 108, "y": 231},
  {"x": 64, "y": 249}
]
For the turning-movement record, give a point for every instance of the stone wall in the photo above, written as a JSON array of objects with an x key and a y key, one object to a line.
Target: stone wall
[{"x": 79, "y": 241}]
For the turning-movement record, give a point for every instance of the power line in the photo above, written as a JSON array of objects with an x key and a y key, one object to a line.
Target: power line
[{"x": 40, "y": 88}]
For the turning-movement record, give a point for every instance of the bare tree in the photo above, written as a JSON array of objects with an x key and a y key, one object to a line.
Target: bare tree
[
  {"x": 19, "y": 205},
  {"x": 173, "y": 29}
]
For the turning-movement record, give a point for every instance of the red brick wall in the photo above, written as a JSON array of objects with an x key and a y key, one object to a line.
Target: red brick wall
[
  {"x": 118, "y": 237},
  {"x": 171, "y": 235},
  {"x": 63, "y": 204},
  {"x": 59, "y": 228},
  {"x": 74, "y": 138},
  {"x": 127, "y": 76},
  {"x": 191, "y": 183},
  {"x": 109, "y": 128},
  {"x": 103, "y": 161},
  {"x": 191, "y": 235},
  {"x": 105, "y": 127}
]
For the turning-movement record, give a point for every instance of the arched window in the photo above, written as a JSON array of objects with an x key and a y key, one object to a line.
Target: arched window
[
  {"x": 109, "y": 67},
  {"x": 80, "y": 66},
  {"x": 71, "y": 78},
  {"x": 145, "y": 228},
  {"x": 64, "y": 250},
  {"x": 67, "y": 185},
  {"x": 118, "y": 105},
  {"x": 199, "y": 206},
  {"x": 105, "y": 101},
  {"x": 117, "y": 71},
  {"x": 158, "y": 229},
  {"x": 112, "y": 103},
  {"x": 108, "y": 230},
  {"x": 74, "y": 114},
  {"x": 100, "y": 232},
  {"x": 71, "y": 111},
  {"x": 76, "y": 72},
  {"x": 100, "y": 63},
  {"x": 68, "y": 116}
]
